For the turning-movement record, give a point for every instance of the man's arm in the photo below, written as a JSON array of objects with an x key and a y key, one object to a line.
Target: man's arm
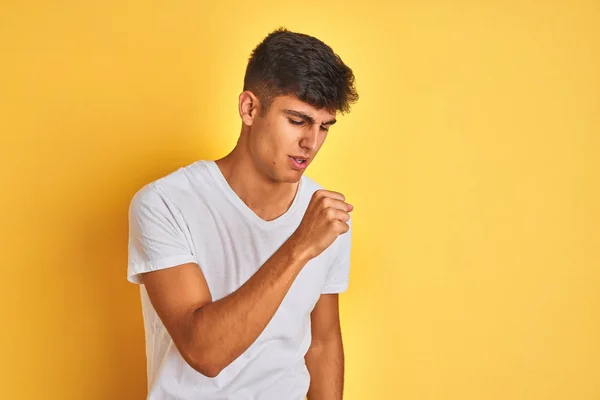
[
  {"x": 325, "y": 357},
  {"x": 210, "y": 335}
]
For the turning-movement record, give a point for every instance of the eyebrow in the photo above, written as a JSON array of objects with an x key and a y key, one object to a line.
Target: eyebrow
[{"x": 307, "y": 117}]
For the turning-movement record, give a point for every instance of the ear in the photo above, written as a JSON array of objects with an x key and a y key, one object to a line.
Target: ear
[{"x": 249, "y": 107}]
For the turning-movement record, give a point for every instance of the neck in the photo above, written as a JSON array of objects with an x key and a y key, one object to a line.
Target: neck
[{"x": 265, "y": 196}]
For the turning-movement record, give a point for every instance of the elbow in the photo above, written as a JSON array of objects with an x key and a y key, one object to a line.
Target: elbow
[
  {"x": 205, "y": 364},
  {"x": 203, "y": 353}
]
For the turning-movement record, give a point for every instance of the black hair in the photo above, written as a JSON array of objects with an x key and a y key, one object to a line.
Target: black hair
[{"x": 287, "y": 62}]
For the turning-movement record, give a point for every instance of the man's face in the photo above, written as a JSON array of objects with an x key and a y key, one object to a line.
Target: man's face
[{"x": 288, "y": 137}]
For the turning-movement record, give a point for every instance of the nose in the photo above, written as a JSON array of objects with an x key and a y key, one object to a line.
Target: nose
[{"x": 310, "y": 138}]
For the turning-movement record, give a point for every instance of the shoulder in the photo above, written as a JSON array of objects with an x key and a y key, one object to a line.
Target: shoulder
[
  {"x": 176, "y": 187},
  {"x": 170, "y": 197}
]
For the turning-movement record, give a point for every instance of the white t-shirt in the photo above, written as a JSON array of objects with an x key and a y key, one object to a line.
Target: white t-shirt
[{"x": 192, "y": 215}]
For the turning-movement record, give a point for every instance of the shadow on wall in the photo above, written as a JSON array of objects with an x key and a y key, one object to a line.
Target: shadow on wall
[{"x": 102, "y": 309}]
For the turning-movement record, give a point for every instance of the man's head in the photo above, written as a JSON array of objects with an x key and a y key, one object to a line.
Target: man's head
[{"x": 293, "y": 88}]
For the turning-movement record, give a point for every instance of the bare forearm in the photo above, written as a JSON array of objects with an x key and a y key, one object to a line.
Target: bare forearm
[
  {"x": 224, "y": 329},
  {"x": 325, "y": 363}
]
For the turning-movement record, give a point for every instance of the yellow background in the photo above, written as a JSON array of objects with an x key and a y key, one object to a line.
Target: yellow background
[{"x": 472, "y": 157}]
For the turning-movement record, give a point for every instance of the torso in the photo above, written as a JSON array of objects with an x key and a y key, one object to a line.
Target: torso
[{"x": 230, "y": 242}]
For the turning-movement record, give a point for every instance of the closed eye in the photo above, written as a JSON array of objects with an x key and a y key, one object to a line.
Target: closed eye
[
  {"x": 294, "y": 122},
  {"x": 300, "y": 123}
]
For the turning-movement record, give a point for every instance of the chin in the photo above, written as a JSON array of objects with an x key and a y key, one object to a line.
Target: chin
[
  {"x": 291, "y": 176},
  {"x": 284, "y": 174}
]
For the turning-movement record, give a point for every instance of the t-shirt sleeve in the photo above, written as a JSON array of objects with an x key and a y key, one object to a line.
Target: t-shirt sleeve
[
  {"x": 156, "y": 238},
  {"x": 339, "y": 273}
]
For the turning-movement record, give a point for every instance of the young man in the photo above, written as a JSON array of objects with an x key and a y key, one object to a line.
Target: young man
[{"x": 241, "y": 259}]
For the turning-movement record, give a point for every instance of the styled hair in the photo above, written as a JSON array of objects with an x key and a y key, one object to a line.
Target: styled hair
[{"x": 287, "y": 62}]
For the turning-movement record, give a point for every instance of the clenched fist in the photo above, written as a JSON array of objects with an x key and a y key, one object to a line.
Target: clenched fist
[{"x": 325, "y": 219}]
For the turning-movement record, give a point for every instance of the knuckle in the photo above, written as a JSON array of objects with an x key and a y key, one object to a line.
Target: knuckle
[
  {"x": 339, "y": 195},
  {"x": 330, "y": 213},
  {"x": 345, "y": 227}
]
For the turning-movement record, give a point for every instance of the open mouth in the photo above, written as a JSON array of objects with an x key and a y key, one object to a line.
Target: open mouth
[{"x": 299, "y": 162}]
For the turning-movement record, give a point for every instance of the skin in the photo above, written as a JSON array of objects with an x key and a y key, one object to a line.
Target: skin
[
  {"x": 212, "y": 334},
  {"x": 258, "y": 168}
]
